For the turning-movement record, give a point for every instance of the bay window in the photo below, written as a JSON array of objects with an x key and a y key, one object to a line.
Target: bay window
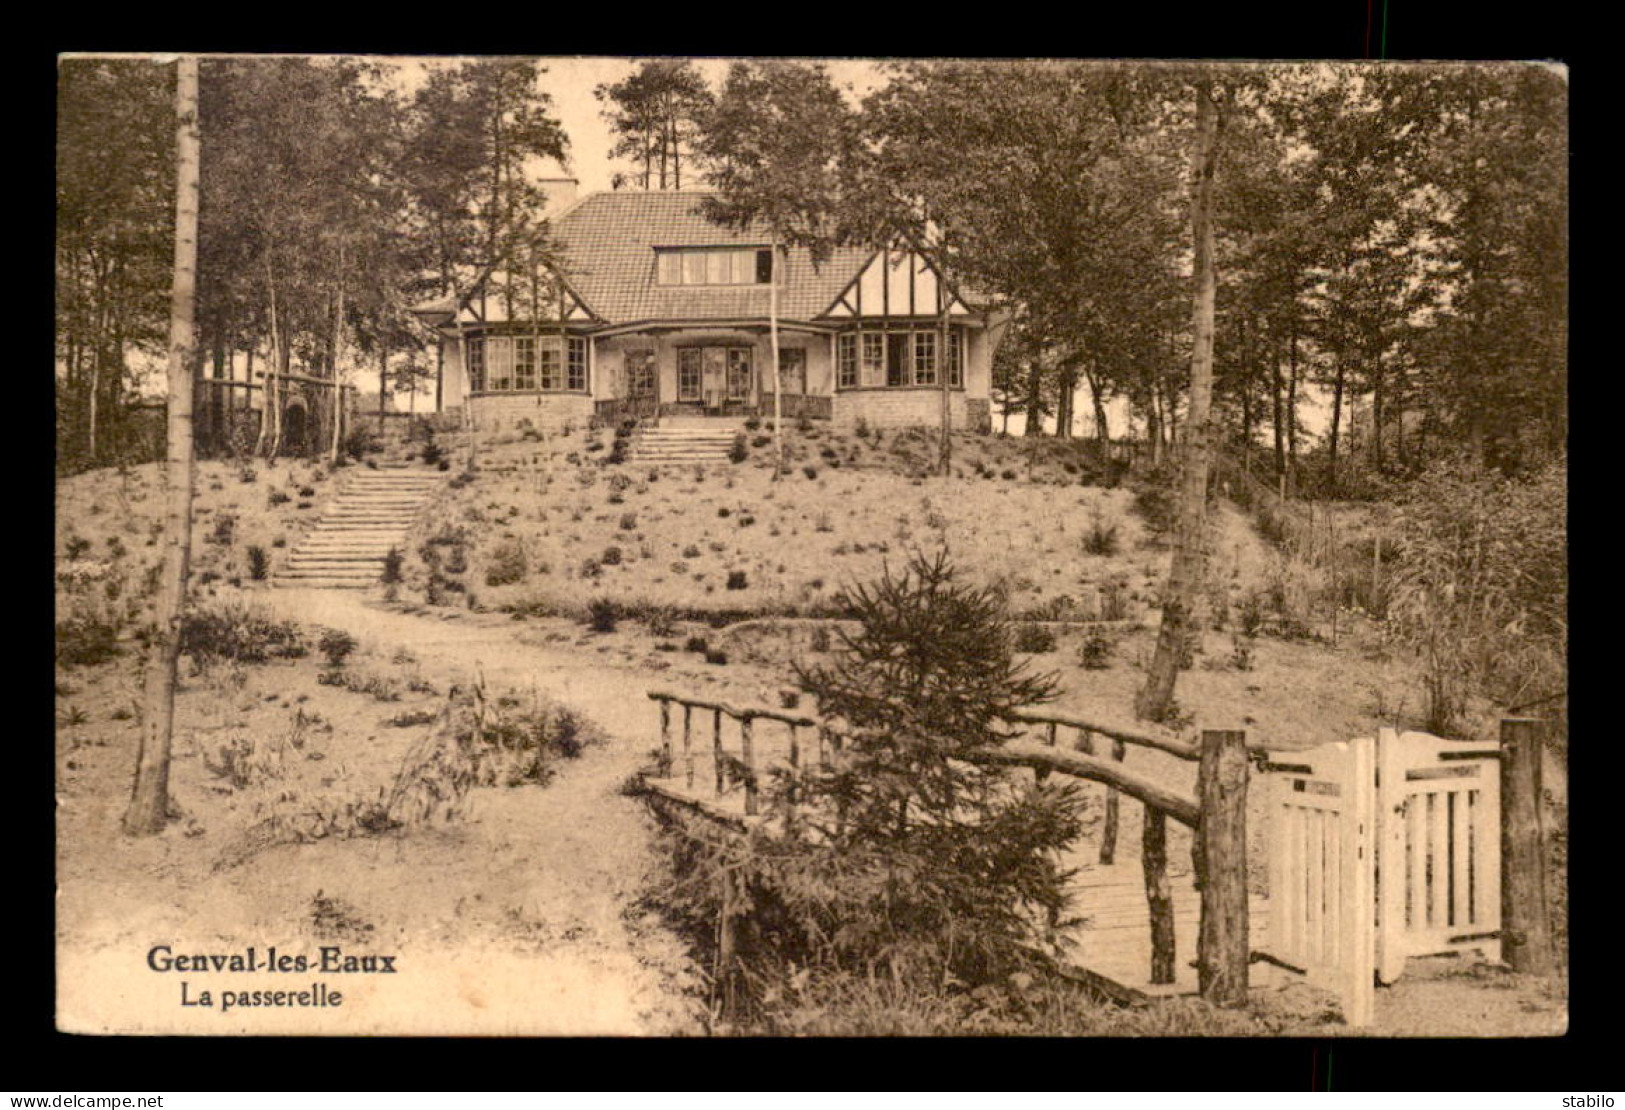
[
  {"x": 549, "y": 363},
  {"x": 898, "y": 359}
]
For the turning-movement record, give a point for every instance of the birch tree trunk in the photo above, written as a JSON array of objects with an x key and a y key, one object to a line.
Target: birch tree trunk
[
  {"x": 1189, "y": 560},
  {"x": 946, "y": 454},
  {"x": 149, "y": 799},
  {"x": 778, "y": 381},
  {"x": 338, "y": 345}
]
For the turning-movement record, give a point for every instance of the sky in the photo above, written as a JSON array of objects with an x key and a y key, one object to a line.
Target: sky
[{"x": 570, "y": 81}]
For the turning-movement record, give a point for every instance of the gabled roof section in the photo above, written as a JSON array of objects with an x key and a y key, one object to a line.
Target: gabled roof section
[
  {"x": 896, "y": 283},
  {"x": 610, "y": 239}
]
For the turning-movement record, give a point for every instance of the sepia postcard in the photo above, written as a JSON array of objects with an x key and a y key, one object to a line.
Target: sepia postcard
[{"x": 743, "y": 546}]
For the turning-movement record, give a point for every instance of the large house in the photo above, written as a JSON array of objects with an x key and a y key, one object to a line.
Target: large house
[{"x": 652, "y": 310}]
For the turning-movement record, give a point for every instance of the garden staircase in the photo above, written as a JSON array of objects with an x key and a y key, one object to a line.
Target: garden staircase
[
  {"x": 677, "y": 444},
  {"x": 373, "y": 513}
]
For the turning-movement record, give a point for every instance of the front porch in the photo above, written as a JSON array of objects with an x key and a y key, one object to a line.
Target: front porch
[{"x": 795, "y": 406}]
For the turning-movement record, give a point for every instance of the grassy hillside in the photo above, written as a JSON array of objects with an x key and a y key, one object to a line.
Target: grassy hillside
[{"x": 546, "y": 526}]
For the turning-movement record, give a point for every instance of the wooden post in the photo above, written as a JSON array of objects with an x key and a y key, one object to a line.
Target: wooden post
[
  {"x": 1221, "y": 837},
  {"x": 1041, "y": 774},
  {"x": 1159, "y": 898},
  {"x": 748, "y": 754},
  {"x": 795, "y": 776},
  {"x": 1108, "y": 835},
  {"x": 665, "y": 739},
  {"x": 716, "y": 748},
  {"x": 688, "y": 750},
  {"x": 1526, "y": 928}
]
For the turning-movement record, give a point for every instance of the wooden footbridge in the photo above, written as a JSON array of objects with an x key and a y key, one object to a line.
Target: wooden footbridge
[{"x": 1155, "y": 926}]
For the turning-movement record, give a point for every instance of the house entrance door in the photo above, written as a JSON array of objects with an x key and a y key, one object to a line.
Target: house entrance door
[{"x": 714, "y": 382}]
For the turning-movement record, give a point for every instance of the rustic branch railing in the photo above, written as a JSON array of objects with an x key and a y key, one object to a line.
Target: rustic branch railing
[
  {"x": 720, "y": 759},
  {"x": 1218, "y": 819}
]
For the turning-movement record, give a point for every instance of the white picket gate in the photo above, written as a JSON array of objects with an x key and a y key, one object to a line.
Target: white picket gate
[{"x": 1381, "y": 850}]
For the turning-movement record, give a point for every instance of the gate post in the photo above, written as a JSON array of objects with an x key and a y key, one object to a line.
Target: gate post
[
  {"x": 1526, "y": 931},
  {"x": 1224, "y": 947}
]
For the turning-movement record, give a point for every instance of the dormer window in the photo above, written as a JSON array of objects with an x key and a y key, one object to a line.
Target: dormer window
[{"x": 713, "y": 266}]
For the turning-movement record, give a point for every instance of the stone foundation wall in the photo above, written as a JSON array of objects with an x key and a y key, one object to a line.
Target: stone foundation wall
[
  {"x": 898, "y": 408},
  {"x": 548, "y": 412}
]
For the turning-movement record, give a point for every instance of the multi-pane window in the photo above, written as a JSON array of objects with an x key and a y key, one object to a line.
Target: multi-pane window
[
  {"x": 640, "y": 373},
  {"x": 524, "y": 362},
  {"x": 576, "y": 366},
  {"x": 925, "y": 358},
  {"x": 874, "y": 358},
  {"x": 499, "y": 364},
  {"x": 552, "y": 363},
  {"x": 689, "y": 375},
  {"x": 476, "y": 364},
  {"x": 793, "y": 369},
  {"x": 846, "y": 361},
  {"x": 899, "y": 355},
  {"x": 897, "y": 358},
  {"x": 738, "y": 373},
  {"x": 712, "y": 266}
]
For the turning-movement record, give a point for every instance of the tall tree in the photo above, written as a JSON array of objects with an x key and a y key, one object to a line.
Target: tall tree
[
  {"x": 113, "y": 195},
  {"x": 148, "y": 810},
  {"x": 655, "y": 115},
  {"x": 1186, "y": 572},
  {"x": 475, "y": 210}
]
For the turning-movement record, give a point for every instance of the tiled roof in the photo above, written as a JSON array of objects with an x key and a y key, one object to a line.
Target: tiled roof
[{"x": 609, "y": 241}]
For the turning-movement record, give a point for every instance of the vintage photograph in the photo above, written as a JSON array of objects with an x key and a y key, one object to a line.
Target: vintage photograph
[{"x": 682, "y": 547}]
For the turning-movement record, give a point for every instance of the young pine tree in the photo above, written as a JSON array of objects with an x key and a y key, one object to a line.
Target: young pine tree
[{"x": 914, "y": 862}]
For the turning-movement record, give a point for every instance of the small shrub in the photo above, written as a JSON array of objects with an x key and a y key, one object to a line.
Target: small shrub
[
  {"x": 736, "y": 580},
  {"x": 236, "y": 634},
  {"x": 411, "y": 718},
  {"x": 507, "y": 564},
  {"x": 394, "y": 564},
  {"x": 691, "y": 552},
  {"x": 716, "y": 657},
  {"x": 611, "y": 557},
  {"x": 85, "y": 642},
  {"x": 259, "y": 562},
  {"x": 810, "y": 471},
  {"x": 1241, "y": 653},
  {"x": 275, "y": 497},
  {"x": 1095, "y": 653},
  {"x": 225, "y": 530},
  {"x": 1100, "y": 539},
  {"x": 820, "y": 639},
  {"x": 697, "y": 644},
  {"x": 752, "y": 423},
  {"x": 337, "y": 645},
  {"x": 737, "y": 452},
  {"x": 1035, "y": 639},
  {"x": 361, "y": 442},
  {"x": 603, "y": 614},
  {"x": 629, "y": 522}
]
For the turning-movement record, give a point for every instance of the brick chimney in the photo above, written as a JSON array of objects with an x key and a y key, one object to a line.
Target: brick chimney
[{"x": 560, "y": 193}]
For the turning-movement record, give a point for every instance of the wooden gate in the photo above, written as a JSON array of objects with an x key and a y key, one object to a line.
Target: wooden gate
[
  {"x": 1439, "y": 877},
  {"x": 1322, "y": 828},
  {"x": 1381, "y": 850}
]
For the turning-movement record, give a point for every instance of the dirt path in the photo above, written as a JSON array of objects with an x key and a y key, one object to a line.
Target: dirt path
[{"x": 584, "y": 846}]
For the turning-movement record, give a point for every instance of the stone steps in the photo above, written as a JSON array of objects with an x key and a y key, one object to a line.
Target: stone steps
[
  {"x": 683, "y": 445},
  {"x": 347, "y": 547}
]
